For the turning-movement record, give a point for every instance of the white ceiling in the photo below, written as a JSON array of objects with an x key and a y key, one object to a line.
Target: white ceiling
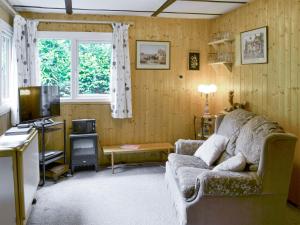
[{"x": 180, "y": 9}]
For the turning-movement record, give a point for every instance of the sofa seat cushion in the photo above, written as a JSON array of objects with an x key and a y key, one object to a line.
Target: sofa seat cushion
[
  {"x": 176, "y": 161},
  {"x": 252, "y": 136},
  {"x": 187, "y": 181},
  {"x": 231, "y": 126}
]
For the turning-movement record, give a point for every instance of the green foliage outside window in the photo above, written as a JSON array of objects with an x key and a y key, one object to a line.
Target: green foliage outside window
[
  {"x": 94, "y": 68},
  {"x": 55, "y": 64},
  {"x": 94, "y": 61}
]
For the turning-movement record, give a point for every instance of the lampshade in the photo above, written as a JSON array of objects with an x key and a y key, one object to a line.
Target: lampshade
[{"x": 207, "y": 88}]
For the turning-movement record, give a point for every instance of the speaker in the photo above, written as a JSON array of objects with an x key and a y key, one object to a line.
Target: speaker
[{"x": 84, "y": 126}]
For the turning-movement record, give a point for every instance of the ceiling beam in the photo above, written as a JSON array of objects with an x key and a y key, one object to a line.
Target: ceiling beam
[
  {"x": 69, "y": 9},
  {"x": 163, "y": 7},
  {"x": 223, "y": 1}
]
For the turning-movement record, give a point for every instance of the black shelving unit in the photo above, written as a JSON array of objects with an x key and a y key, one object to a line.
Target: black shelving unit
[{"x": 49, "y": 156}]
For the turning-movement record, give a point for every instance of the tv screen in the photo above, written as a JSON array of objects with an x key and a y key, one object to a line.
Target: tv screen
[{"x": 38, "y": 102}]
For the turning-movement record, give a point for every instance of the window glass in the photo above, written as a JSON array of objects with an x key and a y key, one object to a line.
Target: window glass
[
  {"x": 94, "y": 60},
  {"x": 55, "y": 64}
]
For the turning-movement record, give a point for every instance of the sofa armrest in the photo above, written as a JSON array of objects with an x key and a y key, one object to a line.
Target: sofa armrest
[
  {"x": 187, "y": 147},
  {"x": 225, "y": 183}
]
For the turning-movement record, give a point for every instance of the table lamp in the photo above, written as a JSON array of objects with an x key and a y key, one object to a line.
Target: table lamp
[{"x": 207, "y": 89}]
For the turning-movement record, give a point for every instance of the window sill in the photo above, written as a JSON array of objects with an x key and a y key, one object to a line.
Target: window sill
[{"x": 4, "y": 109}]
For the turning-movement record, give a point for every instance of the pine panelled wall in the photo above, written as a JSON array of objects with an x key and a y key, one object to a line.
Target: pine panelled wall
[
  {"x": 4, "y": 122},
  {"x": 272, "y": 89},
  {"x": 163, "y": 104}
]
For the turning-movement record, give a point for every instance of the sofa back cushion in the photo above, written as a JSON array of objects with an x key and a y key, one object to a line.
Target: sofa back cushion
[
  {"x": 231, "y": 125},
  {"x": 251, "y": 139}
]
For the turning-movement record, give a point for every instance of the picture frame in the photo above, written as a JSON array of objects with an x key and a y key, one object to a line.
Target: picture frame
[
  {"x": 254, "y": 46},
  {"x": 152, "y": 55},
  {"x": 194, "y": 61}
]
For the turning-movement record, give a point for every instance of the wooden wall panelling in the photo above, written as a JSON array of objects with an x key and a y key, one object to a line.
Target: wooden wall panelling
[
  {"x": 295, "y": 186},
  {"x": 295, "y": 69},
  {"x": 4, "y": 122},
  {"x": 163, "y": 104},
  {"x": 271, "y": 89}
]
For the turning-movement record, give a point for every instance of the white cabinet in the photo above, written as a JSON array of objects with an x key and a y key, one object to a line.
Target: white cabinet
[
  {"x": 7, "y": 191},
  {"x": 19, "y": 179}
]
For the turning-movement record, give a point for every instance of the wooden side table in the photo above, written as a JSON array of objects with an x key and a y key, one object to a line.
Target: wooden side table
[{"x": 206, "y": 126}]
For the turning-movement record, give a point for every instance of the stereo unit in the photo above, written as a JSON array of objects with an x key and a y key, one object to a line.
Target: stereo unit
[{"x": 84, "y": 126}]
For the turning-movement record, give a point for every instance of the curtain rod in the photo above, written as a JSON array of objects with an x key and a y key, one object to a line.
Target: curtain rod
[{"x": 81, "y": 21}]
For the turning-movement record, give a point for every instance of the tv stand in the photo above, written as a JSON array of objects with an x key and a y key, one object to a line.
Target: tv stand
[{"x": 50, "y": 156}]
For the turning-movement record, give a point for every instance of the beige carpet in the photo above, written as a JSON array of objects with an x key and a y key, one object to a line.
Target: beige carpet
[{"x": 133, "y": 196}]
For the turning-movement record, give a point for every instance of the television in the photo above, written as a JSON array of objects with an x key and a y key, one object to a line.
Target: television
[{"x": 38, "y": 102}]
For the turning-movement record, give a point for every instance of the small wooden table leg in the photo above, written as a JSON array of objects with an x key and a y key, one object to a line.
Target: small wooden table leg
[{"x": 112, "y": 163}]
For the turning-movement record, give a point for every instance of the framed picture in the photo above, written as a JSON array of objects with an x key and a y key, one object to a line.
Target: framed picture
[
  {"x": 254, "y": 46},
  {"x": 194, "y": 61},
  {"x": 153, "y": 55}
]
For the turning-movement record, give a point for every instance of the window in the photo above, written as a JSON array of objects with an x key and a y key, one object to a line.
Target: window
[
  {"x": 94, "y": 68},
  {"x": 5, "y": 61},
  {"x": 55, "y": 64},
  {"x": 79, "y": 63}
]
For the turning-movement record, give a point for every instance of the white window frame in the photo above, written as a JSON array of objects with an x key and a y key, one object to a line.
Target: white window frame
[
  {"x": 76, "y": 38},
  {"x": 7, "y": 31}
]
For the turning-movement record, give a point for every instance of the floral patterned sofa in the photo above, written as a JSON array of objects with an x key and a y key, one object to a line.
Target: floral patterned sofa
[{"x": 255, "y": 196}]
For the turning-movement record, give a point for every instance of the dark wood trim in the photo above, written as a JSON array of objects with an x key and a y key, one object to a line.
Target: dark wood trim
[
  {"x": 113, "y": 10},
  {"x": 154, "y": 13},
  {"x": 223, "y": 2},
  {"x": 68, "y": 4},
  {"x": 170, "y": 2},
  {"x": 163, "y": 7},
  {"x": 79, "y": 9},
  {"x": 188, "y": 13}
]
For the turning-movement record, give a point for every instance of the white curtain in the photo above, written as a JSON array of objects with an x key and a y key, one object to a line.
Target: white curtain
[
  {"x": 120, "y": 84},
  {"x": 24, "y": 60}
]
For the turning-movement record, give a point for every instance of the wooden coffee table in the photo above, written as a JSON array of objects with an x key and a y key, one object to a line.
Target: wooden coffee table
[{"x": 139, "y": 148}]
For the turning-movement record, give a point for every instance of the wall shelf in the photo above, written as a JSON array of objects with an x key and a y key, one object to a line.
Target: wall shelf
[
  {"x": 221, "y": 41},
  {"x": 228, "y": 65},
  {"x": 221, "y": 51}
]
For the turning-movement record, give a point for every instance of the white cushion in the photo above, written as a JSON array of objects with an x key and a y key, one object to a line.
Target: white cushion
[
  {"x": 212, "y": 148},
  {"x": 236, "y": 163}
]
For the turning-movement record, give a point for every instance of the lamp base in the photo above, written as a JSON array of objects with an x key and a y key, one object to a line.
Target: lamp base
[{"x": 206, "y": 107}]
